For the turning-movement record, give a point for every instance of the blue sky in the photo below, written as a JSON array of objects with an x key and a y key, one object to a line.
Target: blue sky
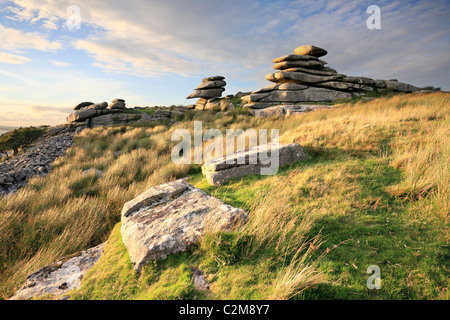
[{"x": 156, "y": 52}]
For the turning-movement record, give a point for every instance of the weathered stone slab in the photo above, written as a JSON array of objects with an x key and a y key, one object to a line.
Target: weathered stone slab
[
  {"x": 214, "y": 78},
  {"x": 311, "y": 94},
  {"x": 310, "y": 51},
  {"x": 251, "y": 161},
  {"x": 81, "y": 115},
  {"x": 82, "y": 105},
  {"x": 113, "y": 119},
  {"x": 211, "y": 85},
  {"x": 400, "y": 86},
  {"x": 360, "y": 80},
  {"x": 60, "y": 277},
  {"x": 294, "y": 57},
  {"x": 294, "y": 64},
  {"x": 298, "y": 77},
  {"x": 319, "y": 72},
  {"x": 170, "y": 218},
  {"x": 206, "y": 93},
  {"x": 286, "y": 110}
]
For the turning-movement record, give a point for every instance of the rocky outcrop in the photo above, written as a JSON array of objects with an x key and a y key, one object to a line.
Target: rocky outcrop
[
  {"x": 88, "y": 115},
  {"x": 170, "y": 218},
  {"x": 209, "y": 89},
  {"x": 34, "y": 161},
  {"x": 256, "y": 160},
  {"x": 60, "y": 277},
  {"x": 303, "y": 77}
]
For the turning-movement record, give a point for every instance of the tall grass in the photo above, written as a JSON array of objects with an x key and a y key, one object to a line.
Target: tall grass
[{"x": 68, "y": 211}]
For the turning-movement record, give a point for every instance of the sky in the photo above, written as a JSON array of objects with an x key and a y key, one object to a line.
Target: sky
[{"x": 152, "y": 52}]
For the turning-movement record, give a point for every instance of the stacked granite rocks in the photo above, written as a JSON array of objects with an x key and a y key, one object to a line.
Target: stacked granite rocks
[
  {"x": 90, "y": 115},
  {"x": 303, "y": 77},
  {"x": 207, "y": 91}
]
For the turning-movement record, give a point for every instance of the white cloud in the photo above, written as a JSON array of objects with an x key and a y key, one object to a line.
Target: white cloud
[
  {"x": 60, "y": 63},
  {"x": 13, "y": 58},
  {"x": 17, "y": 40}
]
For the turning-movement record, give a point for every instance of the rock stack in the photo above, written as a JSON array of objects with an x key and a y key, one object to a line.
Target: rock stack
[
  {"x": 90, "y": 115},
  {"x": 303, "y": 77},
  {"x": 207, "y": 91}
]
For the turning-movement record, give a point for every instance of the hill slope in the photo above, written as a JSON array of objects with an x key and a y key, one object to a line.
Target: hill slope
[{"x": 375, "y": 188}]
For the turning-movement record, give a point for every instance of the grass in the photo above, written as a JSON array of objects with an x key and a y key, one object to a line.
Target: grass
[{"x": 374, "y": 192}]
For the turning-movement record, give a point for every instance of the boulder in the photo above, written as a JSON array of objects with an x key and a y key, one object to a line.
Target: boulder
[
  {"x": 321, "y": 72},
  {"x": 310, "y": 50},
  {"x": 252, "y": 161},
  {"x": 82, "y": 105},
  {"x": 169, "y": 219},
  {"x": 400, "y": 87},
  {"x": 360, "y": 80},
  {"x": 311, "y": 94},
  {"x": 99, "y": 106},
  {"x": 60, "y": 277},
  {"x": 298, "y": 77},
  {"x": 214, "y": 78},
  {"x": 294, "y": 64},
  {"x": 113, "y": 119},
  {"x": 82, "y": 115},
  {"x": 212, "y": 103},
  {"x": 211, "y": 84},
  {"x": 207, "y": 93},
  {"x": 117, "y": 105},
  {"x": 240, "y": 94},
  {"x": 285, "y": 110},
  {"x": 294, "y": 57}
]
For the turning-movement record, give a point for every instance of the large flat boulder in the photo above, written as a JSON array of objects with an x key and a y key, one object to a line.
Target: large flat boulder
[
  {"x": 293, "y": 57},
  {"x": 211, "y": 85},
  {"x": 299, "y": 77},
  {"x": 299, "y": 63},
  {"x": 251, "y": 161},
  {"x": 170, "y": 218},
  {"x": 113, "y": 119},
  {"x": 281, "y": 111},
  {"x": 311, "y": 94},
  {"x": 60, "y": 277},
  {"x": 206, "y": 93},
  {"x": 400, "y": 86}
]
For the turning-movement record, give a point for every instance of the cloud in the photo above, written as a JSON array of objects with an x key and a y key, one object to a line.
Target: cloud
[
  {"x": 13, "y": 58},
  {"x": 240, "y": 38},
  {"x": 17, "y": 40},
  {"x": 51, "y": 109},
  {"x": 60, "y": 63}
]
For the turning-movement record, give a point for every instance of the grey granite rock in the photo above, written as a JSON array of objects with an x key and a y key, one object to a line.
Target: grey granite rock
[
  {"x": 170, "y": 218},
  {"x": 59, "y": 277},
  {"x": 252, "y": 161}
]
